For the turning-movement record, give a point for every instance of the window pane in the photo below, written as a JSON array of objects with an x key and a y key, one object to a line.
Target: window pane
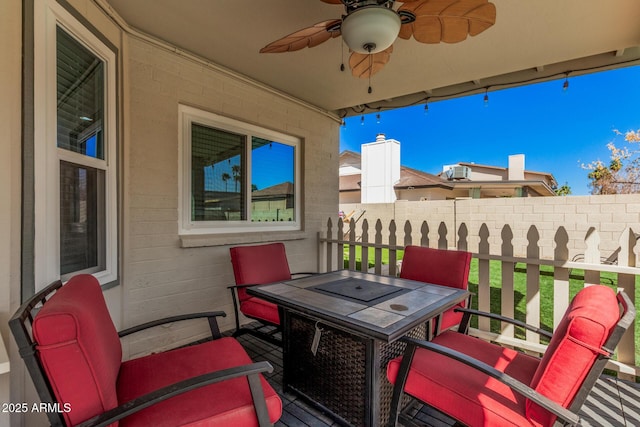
[
  {"x": 81, "y": 218},
  {"x": 217, "y": 175},
  {"x": 272, "y": 187},
  {"x": 80, "y": 97}
]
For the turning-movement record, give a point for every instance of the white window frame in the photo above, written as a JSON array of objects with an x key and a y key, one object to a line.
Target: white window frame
[
  {"x": 48, "y": 15},
  {"x": 189, "y": 115}
]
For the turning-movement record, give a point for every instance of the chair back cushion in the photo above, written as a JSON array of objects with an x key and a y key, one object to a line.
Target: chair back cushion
[
  {"x": 573, "y": 350},
  {"x": 259, "y": 265},
  {"x": 436, "y": 266},
  {"x": 79, "y": 348}
]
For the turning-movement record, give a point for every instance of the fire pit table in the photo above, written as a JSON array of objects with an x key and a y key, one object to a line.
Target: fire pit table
[{"x": 340, "y": 329}]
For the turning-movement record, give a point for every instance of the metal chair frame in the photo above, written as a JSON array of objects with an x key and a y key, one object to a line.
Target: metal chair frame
[
  {"x": 565, "y": 416},
  {"x": 20, "y": 325}
]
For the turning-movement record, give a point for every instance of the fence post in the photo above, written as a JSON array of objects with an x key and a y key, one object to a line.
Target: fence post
[
  {"x": 592, "y": 256},
  {"x": 627, "y": 258},
  {"x": 392, "y": 250},
  {"x": 533, "y": 283},
  {"x": 560, "y": 276},
  {"x": 507, "y": 291},
  {"x": 378, "y": 251},
  {"x": 340, "y": 248},
  {"x": 364, "y": 259},
  {"x": 484, "y": 284}
]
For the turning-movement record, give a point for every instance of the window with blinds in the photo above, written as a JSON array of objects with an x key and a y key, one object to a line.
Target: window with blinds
[
  {"x": 79, "y": 129},
  {"x": 75, "y": 148}
]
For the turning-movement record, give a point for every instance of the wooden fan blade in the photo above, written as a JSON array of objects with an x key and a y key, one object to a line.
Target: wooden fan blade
[
  {"x": 448, "y": 21},
  {"x": 364, "y": 65},
  {"x": 307, "y": 37},
  {"x": 332, "y": 1}
]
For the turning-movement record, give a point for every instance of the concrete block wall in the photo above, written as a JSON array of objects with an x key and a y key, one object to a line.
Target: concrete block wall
[
  {"x": 609, "y": 215},
  {"x": 161, "y": 275}
]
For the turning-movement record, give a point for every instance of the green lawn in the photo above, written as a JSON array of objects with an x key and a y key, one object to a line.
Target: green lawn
[{"x": 576, "y": 282}]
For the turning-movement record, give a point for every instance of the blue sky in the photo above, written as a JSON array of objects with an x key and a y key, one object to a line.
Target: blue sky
[{"x": 556, "y": 130}]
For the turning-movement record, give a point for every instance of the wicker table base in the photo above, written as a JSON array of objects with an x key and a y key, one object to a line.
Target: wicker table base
[{"x": 347, "y": 375}]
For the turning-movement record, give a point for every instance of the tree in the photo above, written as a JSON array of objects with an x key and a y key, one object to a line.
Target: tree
[
  {"x": 622, "y": 174},
  {"x": 564, "y": 190},
  {"x": 226, "y": 177},
  {"x": 235, "y": 170}
]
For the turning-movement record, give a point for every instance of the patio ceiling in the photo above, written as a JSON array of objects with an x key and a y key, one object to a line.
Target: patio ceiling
[{"x": 531, "y": 39}]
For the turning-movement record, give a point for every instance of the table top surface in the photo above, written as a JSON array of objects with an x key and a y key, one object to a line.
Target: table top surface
[{"x": 380, "y": 307}]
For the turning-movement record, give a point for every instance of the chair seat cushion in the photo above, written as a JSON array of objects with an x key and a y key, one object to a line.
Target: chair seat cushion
[
  {"x": 228, "y": 403},
  {"x": 461, "y": 391},
  {"x": 260, "y": 309}
]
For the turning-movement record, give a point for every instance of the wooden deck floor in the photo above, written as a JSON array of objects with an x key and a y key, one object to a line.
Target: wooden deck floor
[{"x": 611, "y": 403}]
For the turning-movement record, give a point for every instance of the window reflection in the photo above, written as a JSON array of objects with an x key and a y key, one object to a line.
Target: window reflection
[
  {"x": 217, "y": 179},
  {"x": 80, "y": 97},
  {"x": 81, "y": 218},
  {"x": 272, "y": 185}
]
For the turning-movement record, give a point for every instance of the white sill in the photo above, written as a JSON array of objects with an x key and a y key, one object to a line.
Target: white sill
[{"x": 217, "y": 239}]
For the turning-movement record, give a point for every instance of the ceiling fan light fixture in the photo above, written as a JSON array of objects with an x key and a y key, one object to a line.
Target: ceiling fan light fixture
[{"x": 370, "y": 29}]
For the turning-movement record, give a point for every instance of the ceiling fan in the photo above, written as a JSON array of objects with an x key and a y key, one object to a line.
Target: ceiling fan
[{"x": 370, "y": 27}]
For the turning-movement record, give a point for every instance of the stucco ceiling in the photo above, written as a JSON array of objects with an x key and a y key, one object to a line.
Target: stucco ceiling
[{"x": 531, "y": 39}]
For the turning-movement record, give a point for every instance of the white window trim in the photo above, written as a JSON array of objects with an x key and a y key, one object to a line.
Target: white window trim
[
  {"x": 189, "y": 115},
  {"x": 47, "y": 156}
]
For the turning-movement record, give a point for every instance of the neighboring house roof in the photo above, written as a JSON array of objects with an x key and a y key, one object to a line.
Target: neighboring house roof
[
  {"x": 413, "y": 178},
  {"x": 408, "y": 177},
  {"x": 350, "y": 158},
  {"x": 548, "y": 175},
  {"x": 283, "y": 189},
  {"x": 350, "y": 182}
]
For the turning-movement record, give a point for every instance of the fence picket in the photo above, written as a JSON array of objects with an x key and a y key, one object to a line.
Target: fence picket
[
  {"x": 507, "y": 290},
  {"x": 560, "y": 277},
  {"x": 364, "y": 238},
  {"x": 533, "y": 283},
  {"x": 484, "y": 284}
]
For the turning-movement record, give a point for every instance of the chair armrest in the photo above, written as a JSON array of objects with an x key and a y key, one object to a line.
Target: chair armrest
[
  {"x": 246, "y": 285},
  {"x": 514, "y": 384},
  {"x": 211, "y": 315},
  {"x": 184, "y": 386},
  {"x": 468, "y": 312}
]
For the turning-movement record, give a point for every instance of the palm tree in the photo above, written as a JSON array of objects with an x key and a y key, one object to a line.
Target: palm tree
[
  {"x": 235, "y": 170},
  {"x": 226, "y": 177}
]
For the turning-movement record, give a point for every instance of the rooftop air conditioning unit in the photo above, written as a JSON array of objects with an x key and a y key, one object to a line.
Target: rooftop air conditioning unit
[{"x": 460, "y": 172}]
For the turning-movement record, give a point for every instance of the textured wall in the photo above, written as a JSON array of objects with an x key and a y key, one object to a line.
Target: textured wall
[{"x": 610, "y": 215}]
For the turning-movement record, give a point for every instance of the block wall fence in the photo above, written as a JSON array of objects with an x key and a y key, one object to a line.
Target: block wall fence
[{"x": 609, "y": 215}]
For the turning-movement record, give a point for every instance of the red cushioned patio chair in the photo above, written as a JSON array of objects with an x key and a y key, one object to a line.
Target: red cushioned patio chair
[
  {"x": 439, "y": 267},
  {"x": 483, "y": 384},
  {"x": 73, "y": 354},
  {"x": 258, "y": 265}
]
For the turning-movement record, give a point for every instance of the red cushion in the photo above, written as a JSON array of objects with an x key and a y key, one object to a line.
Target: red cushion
[
  {"x": 436, "y": 266},
  {"x": 461, "y": 391},
  {"x": 259, "y": 265},
  {"x": 79, "y": 348},
  {"x": 439, "y": 267},
  {"x": 258, "y": 308},
  {"x": 229, "y": 402},
  {"x": 590, "y": 319}
]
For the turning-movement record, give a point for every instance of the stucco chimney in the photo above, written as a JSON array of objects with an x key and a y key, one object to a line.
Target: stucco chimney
[
  {"x": 516, "y": 167},
  {"x": 380, "y": 166}
]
